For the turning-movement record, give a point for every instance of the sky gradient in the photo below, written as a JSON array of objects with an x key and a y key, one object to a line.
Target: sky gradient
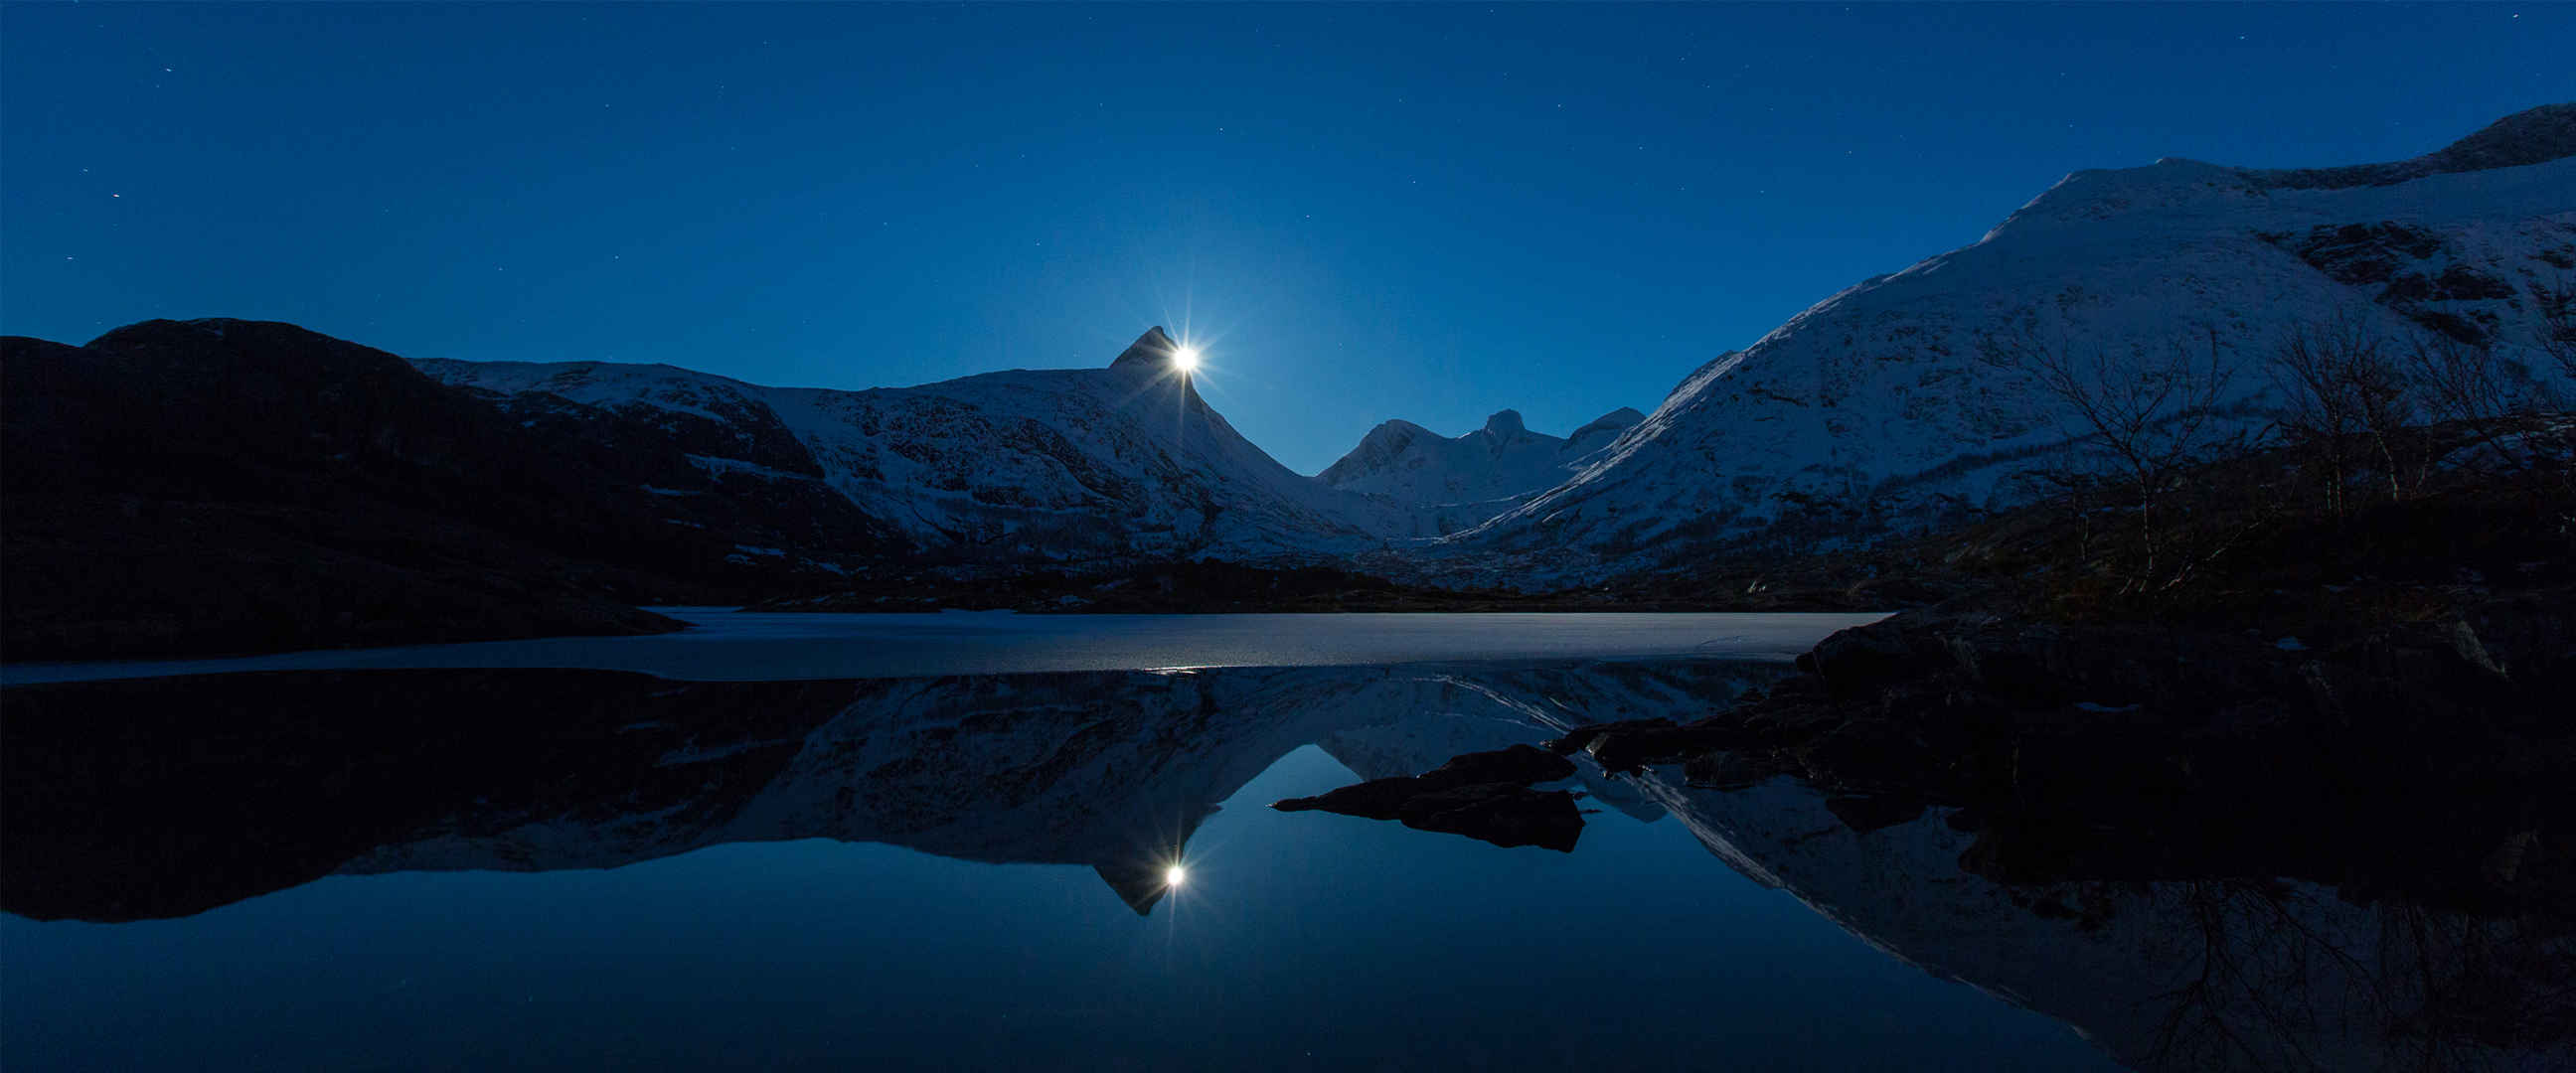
[{"x": 1427, "y": 212}]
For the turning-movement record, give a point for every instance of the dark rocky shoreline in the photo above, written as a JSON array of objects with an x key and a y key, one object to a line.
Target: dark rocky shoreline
[{"x": 2433, "y": 758}]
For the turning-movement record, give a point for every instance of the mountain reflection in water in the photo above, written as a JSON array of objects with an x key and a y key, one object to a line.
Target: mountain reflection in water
[{"x": 159, "y": 798}]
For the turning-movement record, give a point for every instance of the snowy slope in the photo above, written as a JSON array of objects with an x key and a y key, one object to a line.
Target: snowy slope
[
  {"x": 1474, "y": 476},
  {"x": 1881, "y": 401},
  {"x": 1050, "y": 464}
]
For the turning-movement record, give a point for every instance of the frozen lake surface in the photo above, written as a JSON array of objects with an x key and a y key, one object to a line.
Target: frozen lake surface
[{"x": 728, "y": 645}]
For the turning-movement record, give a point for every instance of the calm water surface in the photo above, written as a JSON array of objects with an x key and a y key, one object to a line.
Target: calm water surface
[
  {"x": 727, "y": 644},
  {"x": 450, "y": 868}
]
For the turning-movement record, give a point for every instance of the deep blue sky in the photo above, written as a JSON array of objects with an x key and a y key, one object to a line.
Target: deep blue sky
[{"x": 1428, "y": 212}]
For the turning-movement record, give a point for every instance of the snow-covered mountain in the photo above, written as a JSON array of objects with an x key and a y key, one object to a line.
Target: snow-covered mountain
[
  {"x": 1887, "y": 402},
  {"x": 1895, "y": 402},
  {"x": 1475, "y": 476},
  {"x": 1031, "y": 463}
]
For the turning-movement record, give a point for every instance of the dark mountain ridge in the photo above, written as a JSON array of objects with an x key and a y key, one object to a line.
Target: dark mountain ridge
[{"x": 231, "y": 486}]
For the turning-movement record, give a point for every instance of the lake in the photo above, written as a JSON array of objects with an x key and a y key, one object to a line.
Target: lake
[
  {"x": 779, "y": 853},
  {"x": 724, "y": 644}
]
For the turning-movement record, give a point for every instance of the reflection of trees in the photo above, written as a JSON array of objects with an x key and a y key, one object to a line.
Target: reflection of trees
[
  {"x": 2276, "y": 977},
  {"x": 2497, "y": 983}
]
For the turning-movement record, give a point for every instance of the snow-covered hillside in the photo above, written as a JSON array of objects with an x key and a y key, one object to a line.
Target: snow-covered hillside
[
  {"x": 1886, "y": 401},
  {"x": 1050, "y": 464},
  {"x": 1475, "y": 476}
]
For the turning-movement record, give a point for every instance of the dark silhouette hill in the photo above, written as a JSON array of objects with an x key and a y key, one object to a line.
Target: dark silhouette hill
[{"x": 231, "y": 486}]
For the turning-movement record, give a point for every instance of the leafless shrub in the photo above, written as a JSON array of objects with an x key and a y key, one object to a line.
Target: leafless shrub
[
  {"x": 2349, "y": 399},
  {"x": 2557, "y": 302},
  {"x": 2483, "y": 396},
  {"x": 2464, "y": 382},
  {"x": 2138, "y": 420},
  {"x": 2359, "y": 400}
]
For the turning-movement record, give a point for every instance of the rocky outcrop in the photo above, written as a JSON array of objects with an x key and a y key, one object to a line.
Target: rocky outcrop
[
  {"x": 2434, "y": 755},
  {"x": 1484, "y": 796}
]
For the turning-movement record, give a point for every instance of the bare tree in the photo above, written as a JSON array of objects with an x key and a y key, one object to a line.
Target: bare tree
[
  {"x": 2147, "y": 412},
  {"x": 2346, "y": 388},
  {"x": 2358, "y": 396},
  {"x": 2479, "y": 393},
  {"x": 2557, "y": 302},
  {"x": 2464, "y": 382}
]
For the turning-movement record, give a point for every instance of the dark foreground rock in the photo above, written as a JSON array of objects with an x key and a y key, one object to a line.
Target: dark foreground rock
[
  {"x": 1483, "y": 796},
  {"x": 2435, "y": 756},
  {"x": 1632, "y": 744},
  {"x": 1501, "y": 814}
]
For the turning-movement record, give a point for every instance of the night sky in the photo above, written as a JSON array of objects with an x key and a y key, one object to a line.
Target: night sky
[{"x": 1428, "y": 212}]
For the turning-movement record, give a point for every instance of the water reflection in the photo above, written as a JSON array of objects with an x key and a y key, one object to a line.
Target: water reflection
[
  {"x": 2213, "y": 972},
  {"x": 164, "y": 797},
  {"x": 129, "y": 800}
]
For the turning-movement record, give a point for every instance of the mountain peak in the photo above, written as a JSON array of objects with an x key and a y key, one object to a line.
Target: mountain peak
[
  {"x": 1152, "y": 350},
  {"x": 1140, "y": 886},
  {"x": 1470, "y": 476},
  {"x": 2531, "y": 136},
  {"x": 1607, "y": 425},
  {"x": 1396, "y": 430}
]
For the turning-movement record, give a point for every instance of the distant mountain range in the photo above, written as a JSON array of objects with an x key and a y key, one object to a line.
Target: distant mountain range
[
  {"x": 1475, "y": 475},
  {"x": 1883, "y": 405},
  {"x": 1048, "y": 465},
  {"x": 168, "y": 474}
]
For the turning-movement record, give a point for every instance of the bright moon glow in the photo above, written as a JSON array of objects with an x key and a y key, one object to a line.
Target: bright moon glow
[
  {"x": 1173, "y": 876},
  {"x": 1185, "y": 359}
]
